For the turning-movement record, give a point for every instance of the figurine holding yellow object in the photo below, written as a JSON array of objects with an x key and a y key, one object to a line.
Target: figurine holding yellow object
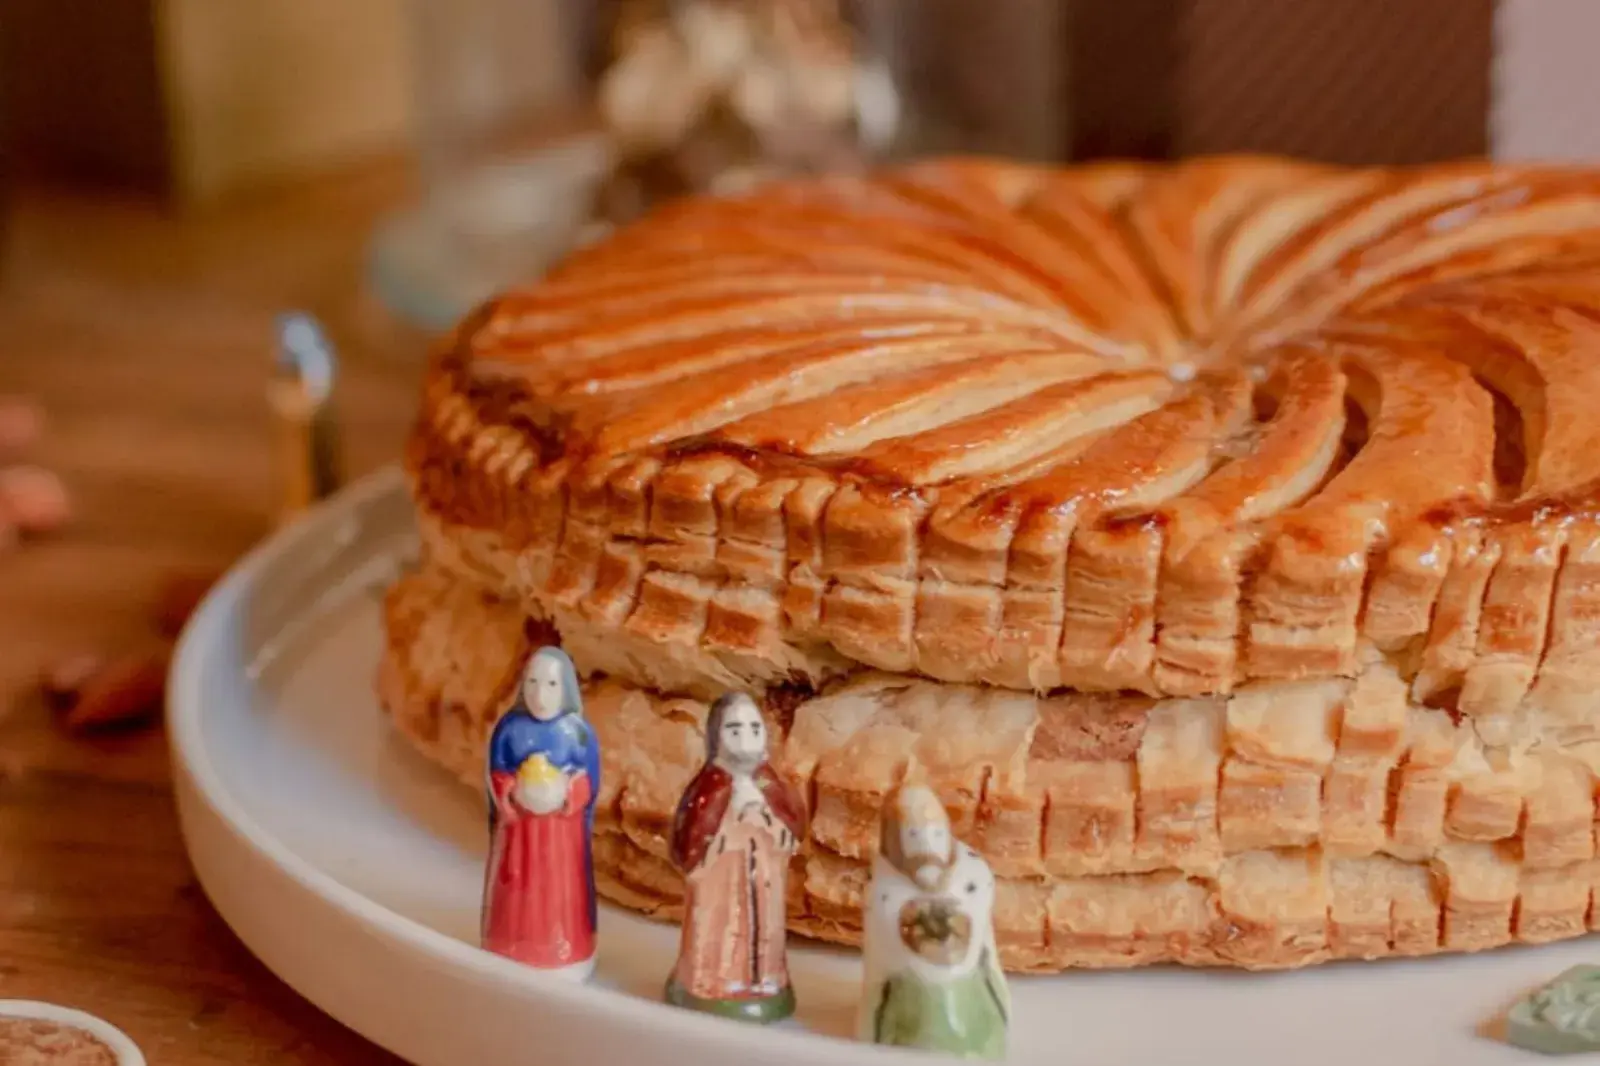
[
  {"x": 543, "y": 777},
  {"x": 736, "y": 827},
  {"x": 931, "y": 974}
]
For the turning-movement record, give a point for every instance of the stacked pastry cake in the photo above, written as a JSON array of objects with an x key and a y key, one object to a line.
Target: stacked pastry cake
[{"x": 1220, "y": 540}]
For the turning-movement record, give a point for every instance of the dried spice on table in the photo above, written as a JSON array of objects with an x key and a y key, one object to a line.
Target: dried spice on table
[
  {"x": 33, "y": 500},
  {"x": 124, "y": 691},
  {"x": 95, "y": 690}
]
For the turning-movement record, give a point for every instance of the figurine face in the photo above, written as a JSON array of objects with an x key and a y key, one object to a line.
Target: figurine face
[
  {"x": 928, "y": 847},
  {"x": 541, "y": 688},
  {"x": 742, "y": 738}
]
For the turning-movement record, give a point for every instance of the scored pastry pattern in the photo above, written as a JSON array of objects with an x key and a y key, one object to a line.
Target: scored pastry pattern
[
  {"x": 1289, "y": 823},
  {"x": 1163, "y": 430},
  {"x": 1294, "y": 466}
]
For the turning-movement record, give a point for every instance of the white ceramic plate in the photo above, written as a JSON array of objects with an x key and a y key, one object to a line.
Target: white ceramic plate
[{"x": 352, "y": 868}]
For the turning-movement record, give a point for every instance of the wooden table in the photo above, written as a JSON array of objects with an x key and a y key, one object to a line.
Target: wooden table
[{"x": 148, "y": 339}]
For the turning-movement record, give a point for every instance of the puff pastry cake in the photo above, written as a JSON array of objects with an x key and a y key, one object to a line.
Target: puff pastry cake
[{"x": 1221, "y": 540}]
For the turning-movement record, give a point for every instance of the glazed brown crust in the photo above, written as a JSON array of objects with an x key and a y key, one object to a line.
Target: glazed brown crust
[
  {"x": 1290, "y": 823},
  {"x": 1221, "y": 540},
  {"x": 1193, "y": 427}
]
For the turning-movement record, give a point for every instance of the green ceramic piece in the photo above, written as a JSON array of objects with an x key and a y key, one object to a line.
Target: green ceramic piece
[
  {"x": 1562, "y": 1018},
  {"x": 965, "y": 1016}
]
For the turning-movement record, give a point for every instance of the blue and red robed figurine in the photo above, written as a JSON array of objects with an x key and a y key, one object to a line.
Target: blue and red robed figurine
[{"x": 543, "y": 777}]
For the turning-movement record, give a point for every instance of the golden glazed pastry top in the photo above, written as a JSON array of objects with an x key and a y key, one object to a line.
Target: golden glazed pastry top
[{"x": 1113, "y": 427}]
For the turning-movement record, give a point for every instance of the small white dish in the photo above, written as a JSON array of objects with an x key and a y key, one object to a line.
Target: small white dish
[
  {"x": 353, "y": 868},
  {"x": 126, "y": 1051}
]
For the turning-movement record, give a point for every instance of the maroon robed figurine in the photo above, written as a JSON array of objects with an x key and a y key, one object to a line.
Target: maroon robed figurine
[{"x": 736, "y": 827}]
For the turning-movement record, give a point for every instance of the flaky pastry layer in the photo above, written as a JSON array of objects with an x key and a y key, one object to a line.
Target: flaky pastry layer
[
  {"x": 1285, "y": 824},
  {"x": 1171, "y": 430}
]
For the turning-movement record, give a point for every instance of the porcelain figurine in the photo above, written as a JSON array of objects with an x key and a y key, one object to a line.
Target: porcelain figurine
[
  {"x": 735, "y": 829},
  {"x": 931, "y": 974},
  {"x": 1562, "y": 1018},
  {"x": 544, "y": 775}
]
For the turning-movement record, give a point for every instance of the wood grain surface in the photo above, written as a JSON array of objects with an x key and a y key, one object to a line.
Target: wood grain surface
[{"x": 148, "y": 340}]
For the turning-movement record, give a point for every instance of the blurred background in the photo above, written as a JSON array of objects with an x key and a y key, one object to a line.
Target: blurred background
[
  {"x": 177, "y": 176},
  {"x": 516, "y": 124}
]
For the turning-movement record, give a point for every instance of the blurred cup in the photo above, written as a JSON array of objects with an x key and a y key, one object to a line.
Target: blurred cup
[
  {"x": 505, "y": 153},
  {"x": 541, "y": 122}
]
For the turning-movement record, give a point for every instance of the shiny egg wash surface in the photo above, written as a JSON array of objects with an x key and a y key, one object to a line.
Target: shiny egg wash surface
[{"x": 1296, "y": 465}]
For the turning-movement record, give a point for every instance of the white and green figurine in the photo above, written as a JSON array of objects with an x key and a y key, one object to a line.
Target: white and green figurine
[{"x": 932, "y": 977}]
